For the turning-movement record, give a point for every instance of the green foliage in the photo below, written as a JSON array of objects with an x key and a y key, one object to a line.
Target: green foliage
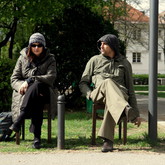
[
  {"x": 6, "y": 68},
  {"x": 73, "y": 39},
  {"x": 71, "y": 29},
  {"x": 161, "y": 75},
  {"x": 25, "y": 10},
  {"x": 111, "y": 10},
  {"x": 140, "y": 76},
  {"x": 17, "y": 16},
  {"x": 140, "y": 79}
]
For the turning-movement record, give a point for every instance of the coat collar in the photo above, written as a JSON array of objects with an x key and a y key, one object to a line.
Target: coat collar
[{"x": 116, "y": 58}]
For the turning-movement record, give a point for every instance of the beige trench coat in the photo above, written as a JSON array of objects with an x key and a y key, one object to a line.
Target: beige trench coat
[{"x": 100, "y": 68}]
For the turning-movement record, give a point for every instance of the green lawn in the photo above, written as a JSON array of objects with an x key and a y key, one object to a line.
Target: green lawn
[
  {"x": 145, "y": 87},
  {"x": 78, "y": 137},
  {"x": 143, "y": 90},
  {"x": 159, "y": 94}
]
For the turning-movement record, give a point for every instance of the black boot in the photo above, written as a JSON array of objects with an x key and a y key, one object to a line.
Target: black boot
[
  {"x": 6, "y": 135},
  {"x": 36, "y": 143},
  {"x": 107, "y": 146},
  {"x": 17, "y": 123}
]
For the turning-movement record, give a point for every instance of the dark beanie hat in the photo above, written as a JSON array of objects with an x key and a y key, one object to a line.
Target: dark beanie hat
[
  {"x": 111, "y": 40},
  {"x": 37, "y": 38}
]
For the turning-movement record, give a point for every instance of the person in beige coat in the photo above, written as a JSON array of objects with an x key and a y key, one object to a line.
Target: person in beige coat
[
  {"x": 32, "y": 82},
  {"x": 111, "y": 76}
]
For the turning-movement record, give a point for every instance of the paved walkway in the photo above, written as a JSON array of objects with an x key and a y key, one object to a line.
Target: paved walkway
[
  {"x": 143, "y": 108},
  {"x": 83, "y": 158}
]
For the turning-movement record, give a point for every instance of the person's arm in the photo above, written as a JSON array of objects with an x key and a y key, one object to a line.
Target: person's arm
[
  {"x": 50, "y": 75},
  {"x": 137, "y": 121},
  {"x": 16, "y": 77},
  {"x": 86, "y": 79}
]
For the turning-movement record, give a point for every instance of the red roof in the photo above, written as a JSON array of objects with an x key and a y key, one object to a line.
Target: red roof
[
  {"x": 133, "y": 15},
  {"x": 136, "y": 15}
]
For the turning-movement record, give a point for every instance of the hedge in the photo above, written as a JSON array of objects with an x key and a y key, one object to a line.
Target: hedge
[{"x": 6, "y": 69}]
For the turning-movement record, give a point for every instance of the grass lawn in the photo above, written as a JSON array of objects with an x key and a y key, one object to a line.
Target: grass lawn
[
  {"x": 145, "y": 87},
  {"x": 159, "y": 94},
  {"x": 143, "y": 90},
  {"x": 78, "y": 137}
]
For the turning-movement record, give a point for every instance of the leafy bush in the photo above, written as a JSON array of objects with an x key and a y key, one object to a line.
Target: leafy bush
[
  {"x": 6, "y": 68},
  {"x": 161, "y": 75},
  {"x": 142, "y": 79}
]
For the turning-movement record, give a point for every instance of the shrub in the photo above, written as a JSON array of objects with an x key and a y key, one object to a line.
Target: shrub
[
  {"x": 142, "y": 79},
  {"x": 6, "y": 68}
]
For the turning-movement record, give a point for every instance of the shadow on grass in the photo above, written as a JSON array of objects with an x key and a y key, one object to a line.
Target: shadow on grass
[
  {"x": 143, "y": 144},
  {"x": 83, "y": 143},
  {"x": 80, "y": 143}
]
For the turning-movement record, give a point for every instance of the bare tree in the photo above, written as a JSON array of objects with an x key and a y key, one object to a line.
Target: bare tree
[
  {"x": 161, "y": 32},
  {"x": 127, "y": 20}
]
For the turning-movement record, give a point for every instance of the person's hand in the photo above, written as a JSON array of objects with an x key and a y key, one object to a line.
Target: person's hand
[
  {"x": 137, "y": 121},
  {"x": 89, "y": 95},
  {"x": 23, "y": 88}
]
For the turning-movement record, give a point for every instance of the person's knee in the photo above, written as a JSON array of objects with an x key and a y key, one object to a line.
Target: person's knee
[{"x": 109, "y": 81}]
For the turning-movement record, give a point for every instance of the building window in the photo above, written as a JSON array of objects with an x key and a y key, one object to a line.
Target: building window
[
  {"x": 159, "y": 33},
  {"x": 136, "y": 57},
  {"x": 137, "y": 34},
  {"x": 159, "y": 56}
]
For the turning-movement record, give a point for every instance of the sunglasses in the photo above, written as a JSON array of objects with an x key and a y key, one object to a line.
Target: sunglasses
[{"x": 34, "y": 45}]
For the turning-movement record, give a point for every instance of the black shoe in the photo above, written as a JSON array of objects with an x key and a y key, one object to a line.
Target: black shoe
[
  {"x": 6, "y": 135},
  {"x": 36, "y": 143},
  {"x": 107, "y": 146}
]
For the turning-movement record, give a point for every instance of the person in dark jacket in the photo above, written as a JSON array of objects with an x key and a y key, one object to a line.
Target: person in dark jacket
[
  {"x": 32, "y": 82},
  {"x": 111, "y": 75}
]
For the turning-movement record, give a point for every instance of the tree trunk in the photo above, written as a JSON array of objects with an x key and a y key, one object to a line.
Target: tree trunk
[
  {"x": 11, "y": 47},
  {"x": 4, "y": 42},
  {"x": 14, "y": 28},
  {"x": 10, "y": 35}
]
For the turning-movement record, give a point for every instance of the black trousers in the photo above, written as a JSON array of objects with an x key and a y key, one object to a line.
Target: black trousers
[{"x": 36, "y": 96}]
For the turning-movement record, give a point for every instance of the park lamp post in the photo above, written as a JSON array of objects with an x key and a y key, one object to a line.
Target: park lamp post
[{"x": 153, "y": 53}]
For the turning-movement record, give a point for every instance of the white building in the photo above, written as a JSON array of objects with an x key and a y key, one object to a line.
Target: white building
[{"x": 134, "y": 30}]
